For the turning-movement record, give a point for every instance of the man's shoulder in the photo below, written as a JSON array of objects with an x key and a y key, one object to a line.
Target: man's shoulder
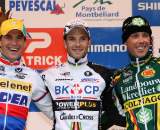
[
  {"x": 28, "y": 69},
  {"x": 118, "y": 73},
  {"x": 105, "y": 72},
  {"x": 29, "y": 73},
  {"x": 54, "y": 69},
  {"x": 100, "y": 67},
  {"x": 156, "y": 60}
]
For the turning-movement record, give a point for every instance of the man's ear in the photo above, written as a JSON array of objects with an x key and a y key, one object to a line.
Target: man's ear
[
  {"x": 89, "y": 43},
  {"x": 152, "y": 40}
]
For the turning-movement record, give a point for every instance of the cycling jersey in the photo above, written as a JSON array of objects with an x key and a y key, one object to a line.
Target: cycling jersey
[
  {"x": 77, "y": 89},
  {"x": 137, "y": 87},
  {"x": 18, "y": 84}
]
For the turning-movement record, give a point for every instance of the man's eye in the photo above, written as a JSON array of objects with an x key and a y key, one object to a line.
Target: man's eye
[
  {"x": 19, "y": 37},
  {"x": 71, "y": 39},
  {"x": 83, "y": 38},
  {"x": 145, "y": 35}
]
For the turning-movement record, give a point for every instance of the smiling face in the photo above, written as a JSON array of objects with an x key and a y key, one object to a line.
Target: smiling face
[
  {"x": 138, "y": 44},
  {"x": 12, "y": 45},
  {"x": 77, "y": 43}
]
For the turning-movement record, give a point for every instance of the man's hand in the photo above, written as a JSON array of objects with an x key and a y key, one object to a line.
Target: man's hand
[{"x": 115, "y": 127}]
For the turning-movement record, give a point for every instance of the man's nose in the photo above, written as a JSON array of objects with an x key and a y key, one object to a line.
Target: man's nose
[
  {"x": 78, "y": 42},
  {"x": 141, "y": 39},
  {"x": 14, "y": 41}
]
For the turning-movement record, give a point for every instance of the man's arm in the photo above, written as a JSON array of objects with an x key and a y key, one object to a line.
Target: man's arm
[
  {"x": 112, "y": 115},
  {"x": 42, "y": 97}
]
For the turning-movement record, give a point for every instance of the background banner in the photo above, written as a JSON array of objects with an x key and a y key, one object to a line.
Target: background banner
[{"x": 45, "y": 20}]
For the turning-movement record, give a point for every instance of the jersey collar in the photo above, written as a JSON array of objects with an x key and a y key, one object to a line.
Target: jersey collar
[
  {"x": 142, "y": 60},
  {"x": 4, "y": 61},
  {"x": 73, "y": 61},
  {"x": 7, "y": 62}
]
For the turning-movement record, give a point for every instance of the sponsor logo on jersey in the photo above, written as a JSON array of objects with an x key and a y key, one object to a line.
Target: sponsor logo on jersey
[
  {"x": 76, "y": 89},
  {"x": 65, "y": 74},
  {"x": 81, "y": 116},
  {"x": 18, "y": 70},
  {"x": 128, "y": 73},
  {"x": 63, "y": 79},
  {"x": 144, "y": 115},
  {"x": 80, "y": 105},
  {"x": 2, "y": 70},
  {"x": 130, "y": 92},
  {"x": 146, "y": 100},
  {"x": 127, "y": 76},
  {"x": 15, "y": 85},
  {"x": 19, "y": 73},
  {"x": 14, "y": 98},
  {"x": 148, "y": 73},
  {"x": 87, "y": 89},
  {"x": 88, "y": 73},
  {"x": 127, "y": 79},
  {"x": 90, "y": 80}
]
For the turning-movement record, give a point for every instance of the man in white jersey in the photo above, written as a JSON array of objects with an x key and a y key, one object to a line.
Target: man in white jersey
[{"x": 78, "y": 86}]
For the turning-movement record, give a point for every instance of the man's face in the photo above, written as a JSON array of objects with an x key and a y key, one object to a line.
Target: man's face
[
  {"x": 138, "y": 44},
  {"x": 77, "y": 43},
  {"x": 12, "y": 45}
]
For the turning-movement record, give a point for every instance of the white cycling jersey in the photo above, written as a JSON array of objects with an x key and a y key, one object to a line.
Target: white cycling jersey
[{"x": 76, "y": 89}]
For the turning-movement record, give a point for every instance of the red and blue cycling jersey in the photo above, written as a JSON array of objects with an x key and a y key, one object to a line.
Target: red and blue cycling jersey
[{"x": 18, "y": 85}]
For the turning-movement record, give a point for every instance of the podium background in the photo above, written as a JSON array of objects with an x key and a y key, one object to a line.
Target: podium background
[{"x": 45, "y": 20}]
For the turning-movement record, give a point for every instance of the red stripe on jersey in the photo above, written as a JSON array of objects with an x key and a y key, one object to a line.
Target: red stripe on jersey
[
  {"x": 133, "y": 119},
  {"x": 7, "y": 62},
  {"x": 14, "y": 110}
]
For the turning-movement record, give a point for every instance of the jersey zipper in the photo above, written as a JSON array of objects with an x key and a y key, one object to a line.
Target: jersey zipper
[{"x": 139, "y": 91}]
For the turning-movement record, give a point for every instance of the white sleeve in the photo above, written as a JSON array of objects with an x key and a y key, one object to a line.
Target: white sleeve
[{"x": 42, "y": 97}]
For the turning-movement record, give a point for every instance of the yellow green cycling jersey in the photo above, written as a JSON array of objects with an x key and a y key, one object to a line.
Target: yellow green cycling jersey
[{"x": 136, "y": 89}]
